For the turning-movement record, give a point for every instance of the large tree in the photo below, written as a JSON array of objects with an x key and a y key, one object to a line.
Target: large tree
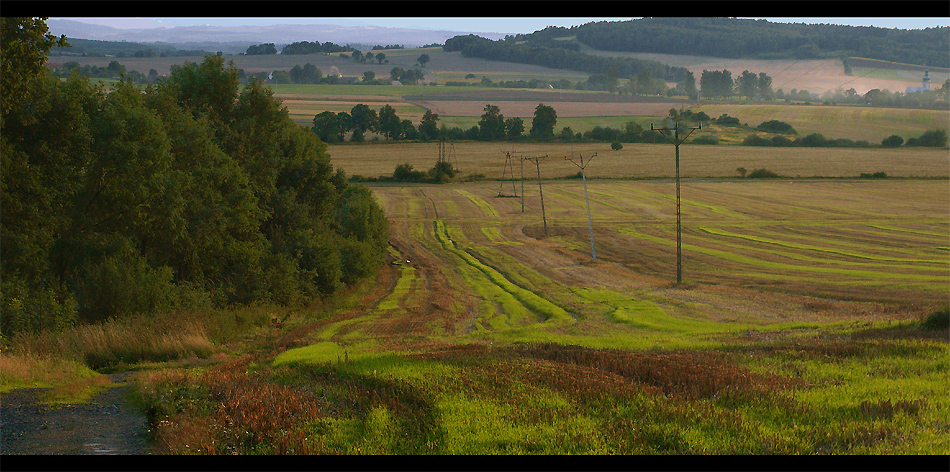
[
  {"x": 492, "y": 125},
  {"x": 389, "y": 123},
  {"x": 542, "y": 126},
  {"x": 429, "y": 126}
]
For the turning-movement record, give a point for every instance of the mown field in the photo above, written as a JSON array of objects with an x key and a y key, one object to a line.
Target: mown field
[
  {"x": 642, "y": 160},
  {"x": 797, "y": 330}
]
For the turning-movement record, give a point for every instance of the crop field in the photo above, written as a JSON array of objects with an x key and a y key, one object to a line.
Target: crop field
[
  {"x": 871, "y": 124},
  {"x": 642, "y": 160}
]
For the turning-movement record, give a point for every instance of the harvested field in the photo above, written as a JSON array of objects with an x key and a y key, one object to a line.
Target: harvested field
[
  {"x": 643, "y": 160},
  {"x": 525, "y": 109}
]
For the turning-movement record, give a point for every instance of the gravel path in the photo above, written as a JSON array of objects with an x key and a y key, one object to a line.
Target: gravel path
[{"x": 107, "y": 424}]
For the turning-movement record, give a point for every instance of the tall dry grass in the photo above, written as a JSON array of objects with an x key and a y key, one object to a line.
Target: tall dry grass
[{"x": 118, "y": 342}]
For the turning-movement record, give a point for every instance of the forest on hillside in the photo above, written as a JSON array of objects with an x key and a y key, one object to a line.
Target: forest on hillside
[{"x": 757, "y": 39}]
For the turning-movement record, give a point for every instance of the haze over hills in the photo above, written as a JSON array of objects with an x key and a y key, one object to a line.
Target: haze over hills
[{"x": 278, "y": 34}]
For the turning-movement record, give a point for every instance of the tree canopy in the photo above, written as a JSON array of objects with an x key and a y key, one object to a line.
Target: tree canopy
[{"x": 126, "y": 200}]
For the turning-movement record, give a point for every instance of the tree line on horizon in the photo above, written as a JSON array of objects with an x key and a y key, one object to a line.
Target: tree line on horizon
[{"x": 737, "y": 38}]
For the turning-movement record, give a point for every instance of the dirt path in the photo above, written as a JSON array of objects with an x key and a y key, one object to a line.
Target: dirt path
[{"x": 106, "y": 425}]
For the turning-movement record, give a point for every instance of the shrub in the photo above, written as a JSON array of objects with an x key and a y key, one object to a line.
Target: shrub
[
  {"x": 122, "y": 285},
  {"x": 762, "y": 174},
  {"x": 616, "y": 146},
  {"x": 706, "y": 139},
  {"x": 812, "y": 140},
  {"x": 892, "y": 141},
  {"x": 756, "y": 140},
  {"x": 775, "y": 126},
  {"x": 404, "y": 173},
  {"x": 939, "y": 320},
  {"x": 876, "y": 175},
  {"x": 726, "y": 120},
  {"x": 781, "y": 141},
  {"x": 932, "y": 138}
]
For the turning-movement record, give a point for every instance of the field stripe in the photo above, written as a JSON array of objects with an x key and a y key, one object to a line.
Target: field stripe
[
  {"x": 718, "y": 232},
  {"x": 554, "y": 315},
  {"x": 730, "y": 256}
]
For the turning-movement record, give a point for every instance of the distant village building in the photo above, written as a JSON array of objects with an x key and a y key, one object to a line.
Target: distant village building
[{"x": 924, "y": 84}]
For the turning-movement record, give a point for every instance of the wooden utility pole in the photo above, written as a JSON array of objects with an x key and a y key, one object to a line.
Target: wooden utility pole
[
  {"x": 590, "y": 227},
  {"x": 537, "y": 163},
  {"x": 676, "y": 142}
]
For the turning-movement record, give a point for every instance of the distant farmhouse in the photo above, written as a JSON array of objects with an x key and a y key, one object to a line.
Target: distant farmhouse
[{"x": 924, "y": 84}]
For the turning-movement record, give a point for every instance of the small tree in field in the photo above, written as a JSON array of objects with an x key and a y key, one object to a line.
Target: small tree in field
[{"x": 616, "y": 146}]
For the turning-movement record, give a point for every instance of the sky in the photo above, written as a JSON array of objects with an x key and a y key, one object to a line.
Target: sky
[{"x": 474, "y": 24}]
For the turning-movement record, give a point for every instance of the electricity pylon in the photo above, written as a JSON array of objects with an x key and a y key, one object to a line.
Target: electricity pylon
[
  {"x": 590, "y": 227},
  {"x": 537, "y": 162},
  {"x": 676, "y": 142}
]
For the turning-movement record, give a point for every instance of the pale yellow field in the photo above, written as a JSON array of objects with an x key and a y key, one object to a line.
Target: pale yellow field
[{"x": 642, "y": 160}]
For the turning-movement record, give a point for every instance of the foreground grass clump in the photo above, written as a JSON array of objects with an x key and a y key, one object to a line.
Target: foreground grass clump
[{"x": 801, "y": 397}]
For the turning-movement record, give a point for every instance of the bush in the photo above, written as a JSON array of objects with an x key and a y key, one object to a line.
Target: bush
[
  {"x": 939, "y": 320},
  {"x": 404, "y": 173},
  {"x": 892, "y": 141},
  {"x": 756, "y": 140},
  {"x": 706, "y": 139},
  {"x": 616, "y": 146},
  {"x": 775, "y": 126},
  {"x": 932, "y": 138},
  {"x": 726, "y": 120},
  {"x": 122, "y": 285},
  {"x": 762, "y": 174},
  {"x": 812, "y": 140},
  {"x": 876, "y": 175}
]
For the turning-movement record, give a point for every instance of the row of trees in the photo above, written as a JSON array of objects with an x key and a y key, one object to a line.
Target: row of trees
[
  {"x": 932, "y": 138},
  {"x": 720, "y": 84},
  {"x": 123, "y": 200},
  {"x": 493, "y": 126},
  {"x": 760, "y": 39},
  {"x": 558, "y": 58},
  {"x": 307, "y": 47}
]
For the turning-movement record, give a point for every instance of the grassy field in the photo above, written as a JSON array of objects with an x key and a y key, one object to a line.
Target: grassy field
[
  {"x": 797, "y": 330},
  {"x": 800, "y": 328}
]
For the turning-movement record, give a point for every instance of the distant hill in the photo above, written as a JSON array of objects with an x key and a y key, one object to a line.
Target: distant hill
[
  {"x": 236, "y": 39},
  {"x": 757, "y": 39}
]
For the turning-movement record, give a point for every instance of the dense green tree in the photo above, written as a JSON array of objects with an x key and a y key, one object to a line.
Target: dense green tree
[
  {"x": 423, "y": 60},
  {"x": 261, "y": 49},
  {"x": 716, "y": 84},
  {"x": 689, "y": 85},
  {"x": 364, "y": 118},
  {"x": 542, "y": 126},
  {"x": 491, "y": 127},
  {"x": 389, "y": 123},
  {"x": 25, "y": 46},
  {"x": 380, "y": 57},
  {"x": 396, "y": 72},
  {"x": 746, "y": 84},
  {"x": 514, "y": 128},
  {"x": 764, "y": 87},
  {"x": 429, "y": 125},
  {"x": 892, "y": 141},
  {"x": 369, "y": 76}
]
